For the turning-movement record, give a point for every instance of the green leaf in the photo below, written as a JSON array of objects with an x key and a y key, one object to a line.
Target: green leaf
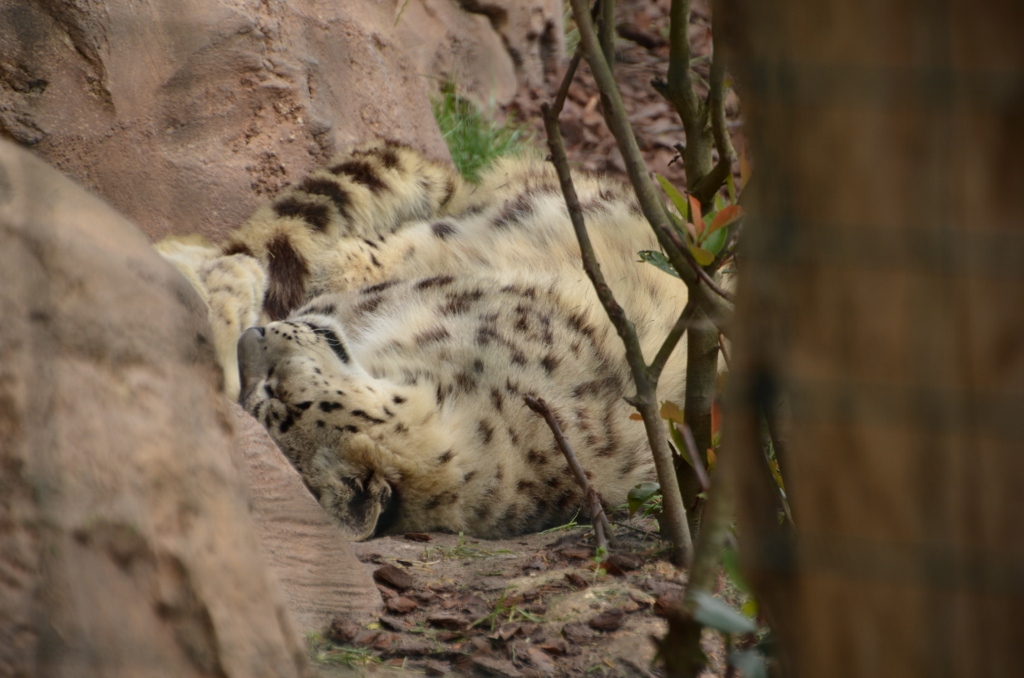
[
  {"x": 720, "y": 615},
  {"x": 640, "y": 495},
  {"x": 702, "y": 256},
  {"x": 750, "y": 663},
  {"x": 677, "y": 439},
  {"x": 773, "y": 466},
  {"x": 715, "y": 241},
  {"x": 731, "y": 563},
  {"x": 720, "y": 203},
  {"x": 675, "y": 196},
  {"x": 659, "y": 260},
  {"x": 731, "y": 185}
]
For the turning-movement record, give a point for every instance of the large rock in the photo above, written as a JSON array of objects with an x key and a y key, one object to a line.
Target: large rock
[
  {"x": 487, "y": 47},
  {"x": 126, "y": 546},
  {"x": 446, "y": 43},
  {"x": 532, "y": 31},
  {"x": 185, "y": 115},
  {"x": 308, "y": 553}
]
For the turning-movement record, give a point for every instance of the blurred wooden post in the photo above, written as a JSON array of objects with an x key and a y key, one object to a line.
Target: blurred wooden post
[{"x": 883, "y": 294}]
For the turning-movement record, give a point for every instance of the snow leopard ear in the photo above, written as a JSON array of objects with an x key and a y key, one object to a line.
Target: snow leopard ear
[{"x": 364, "y": 505}]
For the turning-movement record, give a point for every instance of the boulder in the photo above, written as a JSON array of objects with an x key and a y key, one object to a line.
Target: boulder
[
  {"x": 317, "y": 571},
  {"x": 185, "y": 116},
  {"x": 126, "y": 547},
  {"x": 447, "y": 43},
  {"x": 532, "y": 31}
]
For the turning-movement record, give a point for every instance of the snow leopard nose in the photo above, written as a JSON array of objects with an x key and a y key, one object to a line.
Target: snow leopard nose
[{"x": 252, "y": 360}]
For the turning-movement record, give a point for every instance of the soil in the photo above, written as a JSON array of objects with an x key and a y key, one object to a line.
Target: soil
[
  {"x": 658, "y": 129},
  {"x": 537, "y": 605},
  {"x": 532, "y": 606}
]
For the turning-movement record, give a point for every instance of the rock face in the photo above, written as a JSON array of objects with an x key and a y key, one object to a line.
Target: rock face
[
  {"x": 127, "y": 548},
  {"x": 318, "y": 573},
  {"x": 184, "y": 116},
  {"x": 487, "y": 47},
  {"x": 532, "y": 31},
  {"x": 445, "y": 42}
]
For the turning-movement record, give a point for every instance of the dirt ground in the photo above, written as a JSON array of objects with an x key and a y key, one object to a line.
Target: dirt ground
[
  {"x": 536, "y": 605},
  {"x": 655, "y": 123},
  {"x": 531, "y": 606}
]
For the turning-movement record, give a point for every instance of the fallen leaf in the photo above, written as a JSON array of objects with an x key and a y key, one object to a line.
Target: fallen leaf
[
  {"x": 394, "y": 623},
  {"x": 577, "y": 633},
  {"x": 432, "y": 667},
  {"x": 641, "y": 599},
  {"x": 556, "y": 646},
  {"x": 609, "y": 620},
  {"x": 497, "y": 667},
  {"x": 540, "y": 661},
  {"x": 424, "y": 597},
  {"x": 401, "y": 605},
  {"x": 418, "y": 536},
  {"x": 394, "y": 577},
  {"x": 619, "y": 564},
  {"x": 577, "y": 554},
  {"x": 577, "y": 580},
  {"x": 667, "y": 602},
  {"x": 448, "y": 620},
  {"x": 343, "y": 630}
]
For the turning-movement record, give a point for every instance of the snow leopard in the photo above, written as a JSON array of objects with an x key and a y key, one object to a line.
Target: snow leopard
[{"x": 384, "y": 319}]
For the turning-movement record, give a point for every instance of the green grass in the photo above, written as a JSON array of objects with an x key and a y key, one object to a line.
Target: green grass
[
  {"x": 463, "y": 550},
  {"x": 474, "y": 139},
  {"x": 323, "y": 651}
]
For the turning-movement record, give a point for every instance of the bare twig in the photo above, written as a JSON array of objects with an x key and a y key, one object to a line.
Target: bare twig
[
  {"x": 608, "y": 31},
  {"x": 646, "y": 399},
  {"x": 718, "y": 309},
  {"x": 709, "y": 184},
  {"x": 570, "y": 73},
  {"x": 721, "y": 347},
  {"x": 695, "y": 459},
  {"x": 602, "y": 528},
  {"x": 701, "y": 273},
  {"x": 669, "y": 345}
]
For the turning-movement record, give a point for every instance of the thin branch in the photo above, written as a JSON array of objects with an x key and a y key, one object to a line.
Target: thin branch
[
  {"x": 563, "y": 89},
  {"x": 709, "y": 184},
  {"x": 608, "y": 31},
  {"x": 725, "y": 354},
  {"x": 673, "y": 235},
  {"x": 646, "y": 389},
  {"x": 698, "y": 463},
  {"x": 669, "y": 345},
  {"x": 718, "y": 310},
  {"x": 602, "y": 528},
  {"x": 679, "y": 89}
]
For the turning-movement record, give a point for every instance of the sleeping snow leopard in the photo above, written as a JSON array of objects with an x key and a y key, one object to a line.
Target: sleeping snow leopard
[{"x": 405, "y": 314}]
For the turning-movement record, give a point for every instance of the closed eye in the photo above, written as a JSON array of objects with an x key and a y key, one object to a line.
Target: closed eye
[{"x": 332, "y": 339}]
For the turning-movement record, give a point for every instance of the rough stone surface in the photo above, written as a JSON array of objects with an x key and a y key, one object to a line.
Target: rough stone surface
[
  {"x": 185, "y": 115},
  {"x": 318, "y": 573},
  {"x": 445, "y": 42},
  {"x": 126, "y": 546},
  {"x": 531, "y": 30}
]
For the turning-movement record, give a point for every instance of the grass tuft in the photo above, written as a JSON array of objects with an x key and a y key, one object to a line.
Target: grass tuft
[{"x": 474, "y": 139}]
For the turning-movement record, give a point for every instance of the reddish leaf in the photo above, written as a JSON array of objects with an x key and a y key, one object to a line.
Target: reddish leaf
[
  {"x": 725, "y": 217},
  {"x": 695, "y": 217}
]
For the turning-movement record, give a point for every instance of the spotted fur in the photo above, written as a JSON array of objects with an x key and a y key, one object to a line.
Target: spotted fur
[{"x": 406, "y": 314}]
